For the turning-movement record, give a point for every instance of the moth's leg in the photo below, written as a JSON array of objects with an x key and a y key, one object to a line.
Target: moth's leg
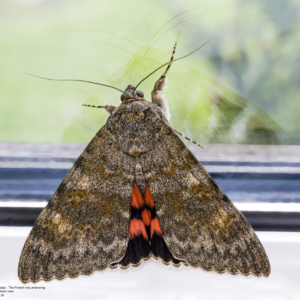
[
  {"x": 156, "y": 95},
  {"x": 109, "y": 108},
  {"x": 187, "y": 138}
]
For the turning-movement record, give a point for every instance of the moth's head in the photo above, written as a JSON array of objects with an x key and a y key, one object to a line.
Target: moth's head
[{"x": 132, "y": 93}]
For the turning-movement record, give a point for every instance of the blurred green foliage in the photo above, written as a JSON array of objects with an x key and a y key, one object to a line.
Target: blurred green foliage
[
  {"x": 253, "y": 56},
  {"x": 217, "y": 114}
]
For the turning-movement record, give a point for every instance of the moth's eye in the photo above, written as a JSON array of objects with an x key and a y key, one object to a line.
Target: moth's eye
[
  {"x": 140, "y": 93},
  {"x": 122, "y": 97}
]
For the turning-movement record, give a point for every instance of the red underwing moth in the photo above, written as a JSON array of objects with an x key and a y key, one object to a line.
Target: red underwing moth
[{"x": 137, "y": 192}]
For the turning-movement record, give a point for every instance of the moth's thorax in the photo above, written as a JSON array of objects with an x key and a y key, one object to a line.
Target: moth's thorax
[{"x": 133, "y": 125}]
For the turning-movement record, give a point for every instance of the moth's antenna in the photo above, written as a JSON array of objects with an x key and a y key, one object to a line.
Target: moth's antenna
[
  {"x": 172, "y": 61},
  {"x": 188, "y": 139},
  {"x": 77, "y": 80},
  {"x": 178, "y": 34}
]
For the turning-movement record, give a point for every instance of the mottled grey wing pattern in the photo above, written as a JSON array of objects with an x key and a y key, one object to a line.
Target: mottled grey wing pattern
[
  {"x": 200, "y": 225},
  {"x": 85, "y": 225}
]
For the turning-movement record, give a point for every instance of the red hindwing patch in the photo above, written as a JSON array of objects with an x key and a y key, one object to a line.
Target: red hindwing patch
[
  {"x": 145, "y": 234},
  {"x": 137, "y": 200},
  {"x": 137, "y": 227},
  {"x": 148, "y": 198},
  {"x": 146, "y": 216},
  {"x": 155, "y": 227}
]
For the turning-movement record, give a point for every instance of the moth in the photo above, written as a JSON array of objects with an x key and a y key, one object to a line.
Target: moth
[{"x": 138, "y": 192}]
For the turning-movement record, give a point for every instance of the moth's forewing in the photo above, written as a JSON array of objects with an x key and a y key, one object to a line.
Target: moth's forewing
[
  {"x": 200, "y": 107},
  {"x": 85, "y": 225},
  {"x": 200, "y": 225}
]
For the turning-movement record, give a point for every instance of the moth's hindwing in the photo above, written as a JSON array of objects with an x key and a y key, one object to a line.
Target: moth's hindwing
[
  {"x": 200, "y": 225},
  {"x": 138, "y": 248},
  {"x": 145, "y": 234},
  {"x": 85, "y": 225}
]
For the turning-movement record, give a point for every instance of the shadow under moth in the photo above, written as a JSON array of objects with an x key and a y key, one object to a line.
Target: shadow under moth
[{"x": 138, "y": 192}]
